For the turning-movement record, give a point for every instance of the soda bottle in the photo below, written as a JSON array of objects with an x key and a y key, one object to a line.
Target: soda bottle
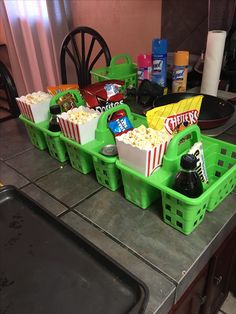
[
  {"x": 187, "y": 181},
  {"x": 53, "y": 123}
]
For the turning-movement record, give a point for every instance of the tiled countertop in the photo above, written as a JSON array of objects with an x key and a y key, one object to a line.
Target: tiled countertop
[{"x": 163, "y": 258}]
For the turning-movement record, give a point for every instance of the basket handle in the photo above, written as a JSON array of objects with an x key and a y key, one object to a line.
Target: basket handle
[
  {"x": 127, "y": 59},
  {"x": 76, "y": 93},
  {"x": 172, "y": 150}
]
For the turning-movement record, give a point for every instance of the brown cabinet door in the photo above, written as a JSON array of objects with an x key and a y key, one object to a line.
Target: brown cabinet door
[
  {"x": 193, "y": 298},
  {"x": 220, "y": 272}
]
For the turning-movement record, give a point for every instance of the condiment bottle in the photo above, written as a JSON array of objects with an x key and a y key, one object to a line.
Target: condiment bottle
[
  {"x": 144, "y": 62},
  {"x": 187, "y": 181},
  {"x": 159, "y": 61},
  {"x": 53, "y": 123},
  {"x": 180, "y": 71}
]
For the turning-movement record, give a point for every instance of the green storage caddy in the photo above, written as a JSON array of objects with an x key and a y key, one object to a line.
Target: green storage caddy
[
  {"x": 105, "y": 167},
  {"x": 126, "y": 71},
  {"x": 181, "y": 212}
]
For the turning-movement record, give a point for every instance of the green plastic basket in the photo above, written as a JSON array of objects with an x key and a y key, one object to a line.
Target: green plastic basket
[
  {"x": 36, "y": 135},
  {"x": 105, "y": 167},
  {"x": 181, "y": 212},
  {"x": 79, "y": 159},
  {"x": 126, "y": 71}
]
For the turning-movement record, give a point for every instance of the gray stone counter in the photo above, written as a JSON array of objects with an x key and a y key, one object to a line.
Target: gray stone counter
[{"x": 166, "y": 260}]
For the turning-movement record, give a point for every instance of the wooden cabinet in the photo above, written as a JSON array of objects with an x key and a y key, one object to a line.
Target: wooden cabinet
[
  {"x": 194, "y": 297},
  {"x": 210, "y": 288}
]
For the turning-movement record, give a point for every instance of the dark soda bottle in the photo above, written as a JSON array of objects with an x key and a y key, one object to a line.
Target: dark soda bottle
[
  {"x": 53, "y": 124},
  {"x": 187, "y": 181}
]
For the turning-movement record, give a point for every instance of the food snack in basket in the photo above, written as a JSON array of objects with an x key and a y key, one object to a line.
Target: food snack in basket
[
  {"x": 53, "y": 90},
  {"x": 35, "y": 98},
  {"x": 119, "y": 123},
  {"x": 142, "y": 149},
  {"x": 172, "y": 116},
  {"x": 104, "y": 95}
]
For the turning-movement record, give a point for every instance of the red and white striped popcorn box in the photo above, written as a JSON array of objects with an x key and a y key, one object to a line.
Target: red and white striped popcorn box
[
  {"x": 141, "y": 160},
  {"x": 37, "y": 112},
  {"x": 79, "y": 132}
]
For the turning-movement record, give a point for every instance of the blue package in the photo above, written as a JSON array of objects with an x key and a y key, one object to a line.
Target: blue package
[{"x": 120, "y": 125}]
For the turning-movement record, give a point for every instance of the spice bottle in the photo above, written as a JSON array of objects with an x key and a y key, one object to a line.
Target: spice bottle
[
  {"x": 144, "y": 62},
  {"x": 180, "y": 71},
  {"x": 53, "y": 123},
  {"x": 187, "y": 180},
  {"x": 159, "y": 61}
]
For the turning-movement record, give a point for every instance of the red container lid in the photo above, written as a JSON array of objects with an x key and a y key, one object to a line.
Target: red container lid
[{"x": 144, "y": 60}]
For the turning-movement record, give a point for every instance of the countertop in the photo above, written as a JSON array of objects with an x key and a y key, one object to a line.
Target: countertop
[{"x": 163, "y": 258}]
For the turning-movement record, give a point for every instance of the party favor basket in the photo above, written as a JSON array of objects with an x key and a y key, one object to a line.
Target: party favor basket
[
  {"x": 179, "y": 211},
  {"x": 126, "y": 71},
  {"x": 105, "y": 167}
]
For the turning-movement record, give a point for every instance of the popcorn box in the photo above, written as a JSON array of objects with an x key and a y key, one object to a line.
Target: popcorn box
[
  {"x": 80, "y": 132},
  {"x": 37, "y": 111},
  {"x": 141, "y": 160}
]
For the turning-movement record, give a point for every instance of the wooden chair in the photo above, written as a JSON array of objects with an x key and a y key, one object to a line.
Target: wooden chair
[{"x": 82, "y": 48}]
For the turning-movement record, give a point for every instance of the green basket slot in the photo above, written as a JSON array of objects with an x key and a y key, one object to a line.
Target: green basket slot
[
  {"x": 55, "y": 145},
  {"x": 181, "y": 212},
  {"x": 139, "y": 192},
  {"x": 36, "y": 136},
  {"x": 107, "y": 174},
  {"x": 79, "y": 159},
  {"x": 126, "y": 71}
]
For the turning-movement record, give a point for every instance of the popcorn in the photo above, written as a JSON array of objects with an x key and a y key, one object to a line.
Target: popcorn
[
  {"x": 79, "y": 124},
  {"x": 142, "y": 149},
  {"x": 76, "y": 115},
  {"x": 144, "y": 138},
  {"x": 35, "y": 98}
]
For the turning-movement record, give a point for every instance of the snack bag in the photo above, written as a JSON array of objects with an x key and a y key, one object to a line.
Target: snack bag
[
  {"x": 174, "y": 116},
  {"x": 53, "y": 90},
  {"x": 119, "y": 123}
]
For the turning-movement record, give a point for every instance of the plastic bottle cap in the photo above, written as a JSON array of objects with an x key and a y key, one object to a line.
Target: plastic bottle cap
[
  {"x": 144, "y": 60},
  {"x": 188, "y": 162},
  {"x": 55, "y": 109},
  {"x": 181, "y": 58},
  {"x": 159, "y": 46}
]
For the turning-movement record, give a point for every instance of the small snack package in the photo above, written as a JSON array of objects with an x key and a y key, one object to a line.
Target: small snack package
[
  {"x": 35, "y": 106},
  {"x": 104, "y": 95},
  {"x": 174, "y": 117},
  {"x": 53, "y": 90},
  {"x": 142, "y": 149},
  {"x": 119, "y": 123},
  {"x": 67, "y": 99},
  {"x": 79, "y": 124}
]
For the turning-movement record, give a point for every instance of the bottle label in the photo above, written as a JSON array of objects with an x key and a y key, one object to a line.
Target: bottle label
[{"x": 144, "y": 73}]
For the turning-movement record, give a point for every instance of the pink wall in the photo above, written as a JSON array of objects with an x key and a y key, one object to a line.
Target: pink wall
[{"x": 128, "y": 26}]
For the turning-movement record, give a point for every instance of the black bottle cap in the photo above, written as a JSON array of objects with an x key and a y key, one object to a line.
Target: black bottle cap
[
  {"x": 188, "y": 162},
  {"x": 55, "y": 109}
]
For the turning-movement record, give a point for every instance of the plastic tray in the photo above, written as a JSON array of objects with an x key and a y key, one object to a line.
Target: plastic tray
[
  {"x": 36, "y": 136},
  {"x": 126, "y": 71},
  {"x": 181, "y": 212},
  {"x": 46, "y": 267},
  {"x": 105, "y": 167}
]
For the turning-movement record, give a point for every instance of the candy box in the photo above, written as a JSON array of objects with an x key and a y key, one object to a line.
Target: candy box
[
  {"x": 79, "y": 124},
  {"x": 142, "y": 159},
  {"x": 35, "y": 106}
]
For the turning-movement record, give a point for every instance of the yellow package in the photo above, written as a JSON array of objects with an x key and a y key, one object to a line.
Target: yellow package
[{"x": 172, "y": 116}]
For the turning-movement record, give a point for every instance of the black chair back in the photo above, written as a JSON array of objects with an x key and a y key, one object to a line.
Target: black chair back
[{"x": 82, "y": 47}]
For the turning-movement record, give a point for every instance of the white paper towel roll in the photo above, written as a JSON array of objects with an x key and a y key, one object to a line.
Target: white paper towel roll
[{"x": 213, "y": 62}]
